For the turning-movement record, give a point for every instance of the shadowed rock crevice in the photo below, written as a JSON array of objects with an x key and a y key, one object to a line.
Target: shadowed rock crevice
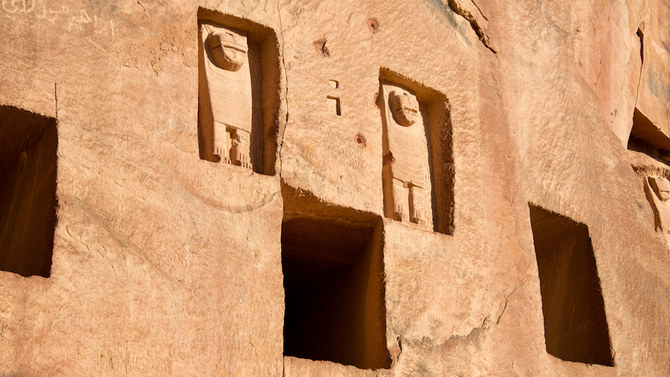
[
  {"x": 640, "y": 36},
  {"x": 281, "y": 132},
  {"x": 476, "y": 24},
  {"x": 28, "y": 145},
  {"x": 575, "y": 326}
]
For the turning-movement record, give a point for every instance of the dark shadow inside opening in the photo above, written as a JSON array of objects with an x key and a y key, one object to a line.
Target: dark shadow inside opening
[
  {"x": 28, "y": 144},
  {"x": 575, "y": 326},
  {"x": 334, "y": 284}
]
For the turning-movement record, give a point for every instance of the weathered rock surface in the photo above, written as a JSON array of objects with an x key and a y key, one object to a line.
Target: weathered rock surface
[{"x": 166, "y": 264}]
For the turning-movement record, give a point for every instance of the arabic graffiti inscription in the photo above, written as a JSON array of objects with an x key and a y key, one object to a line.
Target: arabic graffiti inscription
[{"x": 72, "y": 20}]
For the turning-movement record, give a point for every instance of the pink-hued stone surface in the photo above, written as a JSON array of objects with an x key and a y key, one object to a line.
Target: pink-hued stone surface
[{"x": 165, "y": 264}]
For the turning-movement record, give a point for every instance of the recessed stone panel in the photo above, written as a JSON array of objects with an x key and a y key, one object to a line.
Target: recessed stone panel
[{"x": 238, "y": 88}]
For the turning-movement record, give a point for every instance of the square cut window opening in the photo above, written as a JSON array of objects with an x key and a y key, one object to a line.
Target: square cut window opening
[
  {"x": 575, "y": 326},
  {"x": 334, "y": 283},
  {"x": 28, "y": 145}
]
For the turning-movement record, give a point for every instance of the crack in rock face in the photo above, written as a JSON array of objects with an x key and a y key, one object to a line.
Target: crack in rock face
[{"x": 475, "y": 22}]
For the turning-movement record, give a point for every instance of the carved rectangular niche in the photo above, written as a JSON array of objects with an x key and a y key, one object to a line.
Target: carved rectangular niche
[
  {"x": 28, "y": 145},
  {"x": 334, "y": 282},
  {"x": 238, "y": 91},
  {"x": 575, "y": 326},
  {"x": 418, "y": 165}
]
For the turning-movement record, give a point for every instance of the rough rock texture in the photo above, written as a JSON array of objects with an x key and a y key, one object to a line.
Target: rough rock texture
[{"x": 166, "y": 264}]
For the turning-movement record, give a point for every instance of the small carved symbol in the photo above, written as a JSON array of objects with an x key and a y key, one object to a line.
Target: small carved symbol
[
  {"x": 373, "y": 24},
  {"x": 321, "y": 47},
  {"x": 360, "y": 140},
  {"x": 334, "y": 98}
]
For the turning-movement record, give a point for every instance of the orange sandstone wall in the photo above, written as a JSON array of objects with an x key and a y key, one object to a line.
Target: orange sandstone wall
[{"x": 167, "y": 263}]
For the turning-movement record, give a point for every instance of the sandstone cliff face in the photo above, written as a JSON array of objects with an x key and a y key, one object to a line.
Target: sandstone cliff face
[{"x": 541, "y": 177}]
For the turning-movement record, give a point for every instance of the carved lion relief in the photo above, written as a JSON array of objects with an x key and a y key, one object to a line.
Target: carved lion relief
[{"x": 406, "y": 171}]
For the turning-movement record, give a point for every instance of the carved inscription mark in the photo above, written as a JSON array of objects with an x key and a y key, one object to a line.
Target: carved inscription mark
[
  {"x": 72, "y": 20},
  {"x": 334, "y": 97}
]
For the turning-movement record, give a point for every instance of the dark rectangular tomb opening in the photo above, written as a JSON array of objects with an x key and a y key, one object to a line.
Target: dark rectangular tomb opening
[
  {"x": 575, "y": 327},
  {"x": 334, "y": 284},
  {"x": 28, "y": 144}
]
